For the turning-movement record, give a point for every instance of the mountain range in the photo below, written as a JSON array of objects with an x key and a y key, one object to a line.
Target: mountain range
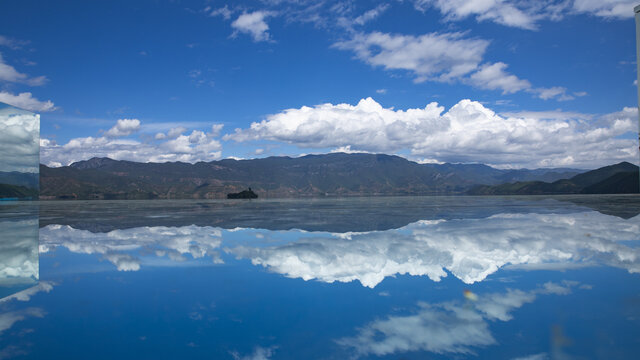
[
  {"x": 620, "y": 178},
  {"x": 335, "y": 174},
  {"x": 15, "y": 184}
]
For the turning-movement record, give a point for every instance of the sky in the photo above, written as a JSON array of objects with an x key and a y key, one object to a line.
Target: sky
[{"x": 512, "y": 84}]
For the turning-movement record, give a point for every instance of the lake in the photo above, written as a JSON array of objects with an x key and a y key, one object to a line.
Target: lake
[{"x": 355, "y": 278}]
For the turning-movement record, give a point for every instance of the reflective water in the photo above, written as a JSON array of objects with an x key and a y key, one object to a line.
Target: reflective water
[{"x": 390, "y": 278}]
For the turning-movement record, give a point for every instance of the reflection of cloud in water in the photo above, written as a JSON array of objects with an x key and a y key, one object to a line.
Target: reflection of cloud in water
[
  {"x": 450, "y": 327},
  {"x": 9, "y": 318},
  {"x": 121, "y": 247},
  {"x": 25, "y": 295},
  {"x": 471, "y": 249},
  {"x": 260, "y": 353},
  {"x": 19, "y": 251}
]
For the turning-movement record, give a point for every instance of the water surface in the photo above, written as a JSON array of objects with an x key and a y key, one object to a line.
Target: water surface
[{"x": 363, "y": 278}]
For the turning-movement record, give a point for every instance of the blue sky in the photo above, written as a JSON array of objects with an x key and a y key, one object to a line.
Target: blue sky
[{"x": 508, "y": 83}]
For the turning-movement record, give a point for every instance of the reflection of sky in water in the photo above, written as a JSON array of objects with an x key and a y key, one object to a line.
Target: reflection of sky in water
[
  {"x": 18, "y": 249},
  {"x": 541, "y": 284}
]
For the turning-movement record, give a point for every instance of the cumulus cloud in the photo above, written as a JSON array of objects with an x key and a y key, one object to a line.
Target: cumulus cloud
[
  {"x": 9, "y": 74},
  {"x": 494, "y": 77},
  {"x": 19, "y": 140},
  {"x": 175, "y": 145},
  {"x": 467, "y": 132},
  {"x": 26, "y": 101},
  {"x": 469, "y": 249},
  {"x": 129, "y": 249},
  {"x": 253, "y": 24},
  {"x": 124, "y": 127},
  {"x": 444, "y": 328}
]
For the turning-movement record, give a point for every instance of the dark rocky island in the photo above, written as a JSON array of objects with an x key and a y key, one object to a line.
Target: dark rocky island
[{"x": 245, "y": 194}]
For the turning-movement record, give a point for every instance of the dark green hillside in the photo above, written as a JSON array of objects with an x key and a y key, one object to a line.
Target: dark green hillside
[
  {"x": 28, "y": 180},
  {"x": 613, "y": 179},
  {"x": 16, "y": 191}
]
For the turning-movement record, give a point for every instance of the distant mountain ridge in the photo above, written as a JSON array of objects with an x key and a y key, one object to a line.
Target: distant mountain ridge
[
  {"x": 17, "y": 178},
  {"x": 620, "y": 178},
  {"x": 335, "y": 174}
]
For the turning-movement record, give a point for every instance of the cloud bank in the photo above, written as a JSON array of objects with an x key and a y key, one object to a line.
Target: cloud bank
[
  {"x": 116, "y": 143},
  {"x": 467, "y": 132}
]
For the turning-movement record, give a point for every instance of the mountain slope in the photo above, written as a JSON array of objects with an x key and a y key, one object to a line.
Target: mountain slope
[
  {"x": 336, "y": 174},
  {"x": 620, "y": 178}
]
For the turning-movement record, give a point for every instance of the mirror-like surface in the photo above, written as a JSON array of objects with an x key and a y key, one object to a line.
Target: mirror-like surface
[
  {"x": 18, "y": 247},
  {"x": 389, "y": 278}
]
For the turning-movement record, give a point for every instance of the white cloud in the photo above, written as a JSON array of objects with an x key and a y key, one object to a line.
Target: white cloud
[
  {"x": 606, "y": 8},
  {"x": 557, "y": 92},
  {"x": 439, "y": 57},
  {"x": 9, "y": 74},
  {"x": 445, "y": 328},
  {"x": 19, "y": 140},
  {"x": 12, "y": 43},
  {"x": 173, "y": 146},
  {"x": 381, "y": 91},
  {"x": 215, "y": 129},
  {"x": 124, "y": 127},
  {"x": 469, "y": 249},
  {"x": 525, "y": 14},
  {"x": 26, "y": 101},
  {"x": 371, "y": 14},
  {"x": 224, "y": 11},
  {"x": 494, "y": 77},
  {"x": 519, "y": 14},
  {"x": 468, "y": 132},
  {"x": 253, "y": 24},
  {"x": 129, "y": 249},
  {"x": 442, "y": 57}
]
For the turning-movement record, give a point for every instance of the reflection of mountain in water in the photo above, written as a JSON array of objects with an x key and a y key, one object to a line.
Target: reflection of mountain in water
[
  {"x": 332, "y": 215},
  {"x": 471, "y": 242}
]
